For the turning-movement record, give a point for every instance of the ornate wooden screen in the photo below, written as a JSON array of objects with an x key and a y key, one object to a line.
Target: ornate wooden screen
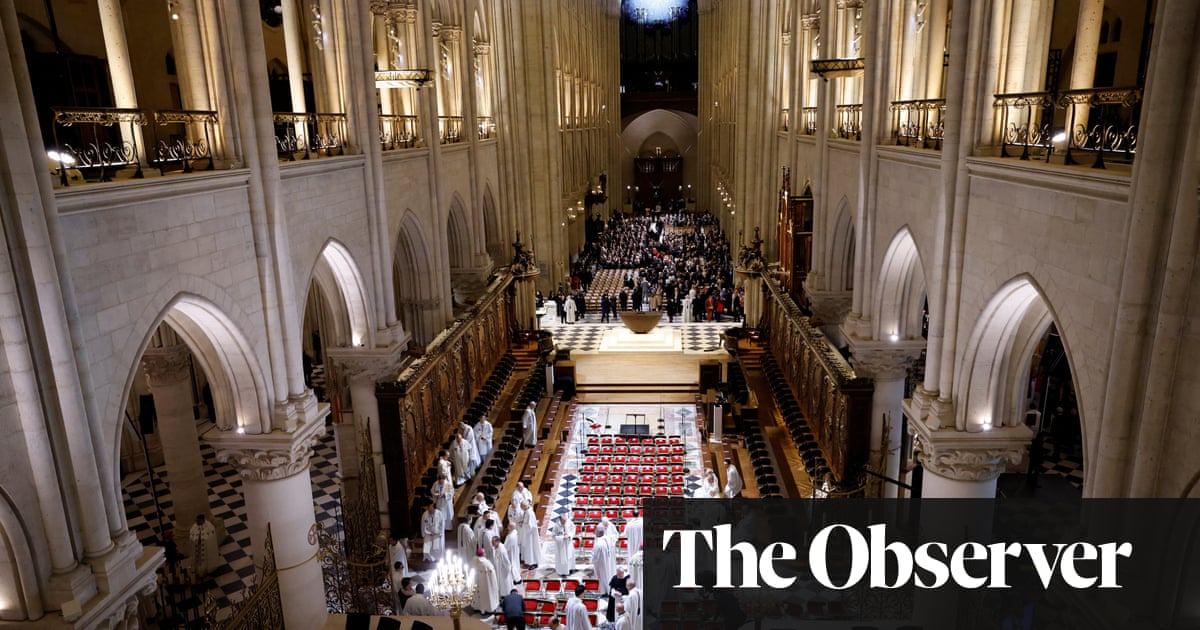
[
  {"x": 795, "y": 237},
  {"x": 835, "y": 401},
  {"x": 419, "y": 410}
]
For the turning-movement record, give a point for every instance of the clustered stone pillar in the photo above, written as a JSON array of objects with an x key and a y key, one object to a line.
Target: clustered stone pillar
[
  {"x": 170, "y": 378},
  {"x": 116, "y": 51},
  {"x": 887, "y": 364},
  {"x": 278, "y": 492},
  {"x": 961, "y": 465}
]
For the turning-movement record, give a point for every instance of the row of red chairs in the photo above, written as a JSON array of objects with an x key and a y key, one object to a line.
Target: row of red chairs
[
  {"x": 639, "y": 479},
  {"x": 609, "y": 501},
  {"x": 543, "y": 620},
  {"x": 581, "y": 515},
  {"x": 656, "y": 460},
  {"x": 631, "y": 490},
  {"x": 627, "y": 439},
  {"x": 635, "y": 450},
  {"x": 551, "y": 606},
  {"x": 621, "y": 469},
  {"x": 543, "y": 588}
]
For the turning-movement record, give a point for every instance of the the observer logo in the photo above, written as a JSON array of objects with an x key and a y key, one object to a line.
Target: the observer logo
[{"x": 894, "y": 564}]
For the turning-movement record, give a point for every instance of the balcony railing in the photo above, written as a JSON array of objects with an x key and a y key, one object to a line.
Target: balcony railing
[
  {"x": 919, "y": 123},
  {"x": 849, "y": 122},
  {"x": 397, "y": 132},
  {"x": 1100, "y": 121},
  {"x": 310, "y": 135},
  {"x": 95, "y": 143},
  {"x": 487, "y": 127},
  {"x": 784, "y": 119},
  {"x": 450, "y": 129},
  {"x": 808, "y": 121}
]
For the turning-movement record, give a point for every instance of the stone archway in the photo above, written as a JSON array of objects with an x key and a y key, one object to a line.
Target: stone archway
[
  {"x": 20, "y": 598},
  {"x": 418, "y": 299},
  {"x": 900, "y": 293}
]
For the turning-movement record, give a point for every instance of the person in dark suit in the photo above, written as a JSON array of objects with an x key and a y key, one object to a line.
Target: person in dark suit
[{"x": 513, "y": 607}]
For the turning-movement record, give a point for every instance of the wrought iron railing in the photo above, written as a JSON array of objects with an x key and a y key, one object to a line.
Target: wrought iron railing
[
  {"x": 487, "y": 127},
  {"x": 849, "y": 121},
  {"x": 182, "y": 137},
  {"x": 96, "y": 142},
  {"x": 311, "y": 135},
  {"x": 919, "y": 123},
  {"x": 1100, "y": 121},
  {"x": 261, "y": 605},
  {"x": 784, "y": 119},
  {"x": 808, "y": 121},
  {"x": 397, "y": 131},
  {"x": 450, "y": 129}
]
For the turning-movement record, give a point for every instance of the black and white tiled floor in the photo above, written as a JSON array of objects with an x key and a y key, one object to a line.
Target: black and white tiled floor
[
  {"x": 225, "y": 498},
  {"x": 585, "y": 336},
  {"x": 1063, "y": 462}
]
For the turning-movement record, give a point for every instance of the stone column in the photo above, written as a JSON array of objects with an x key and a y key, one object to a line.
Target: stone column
[
  {"x": 168, "y": 372},
  {"x": 120, "y": 72},
  {"x": 189, "y": 49},
  {"x": 961, "y": 465},
  {"x": 362, "y": 368},
  {"x": 1087, "y": 45},
  {"x": 293, "y": 40},
  {"x": 278, "y": 492},
  {"x": 887, "y": 363}
]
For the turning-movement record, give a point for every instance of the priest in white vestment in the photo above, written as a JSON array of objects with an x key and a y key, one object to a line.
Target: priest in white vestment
[
  {"x": 564, "y": 545},
  {"x": 529, "y": 425},
  {"x": 570, "y": 309},
  {"x": 733, "y": 480},
  {"x": 433, "y": 532},
  {"x": 577, "y": 612},
  {"x": 512, "y": 544},
  {"x": 466, "y": 539},
  {"x": 461, "y": 460},
  {"x": 483, "y": 438},
  {"x": 443, "y": 497},
  {"x": 603, "y": 563},
  {"x": 637, "y": 566},
  {"x": 499, "y": 558},
  {"x": 633, "y": 533},
  {"x": 531, "y": 542},
  {"x": 633, "y": 605},
  {"x": 487, "y": 590},
  {"x": 419, "y": 606}
]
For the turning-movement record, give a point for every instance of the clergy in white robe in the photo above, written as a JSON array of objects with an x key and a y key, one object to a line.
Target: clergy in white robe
[
  {"x": 443, "y": 497},
  {"x": 461, "y": 460},
  {"x": 714, "y": 485},
  {"x": 633, "y": 605},
  {"x": 633, "y": 533},
  {"x": 205, "y": 548},
  {"x": 577, "y": 612},
  {"x": 473, "y": 459},
  {"x": 419, "y": 606},
  {"x": 512, "y": 544},
  {"x": 733, "y": 480},
  {"x": 466, "y": 540},
  {"x": 564, "y": 545},
  {"x": 483, "y": 438},
  {"x": 498, "y": 554},
  {"x": 487, "y": 590},
  {"x": 570, "y": 309},
  {"x": 610, "y": 531},
  {"x": 637, "y": 567},
  {"x": 531, "y": 542},
  {"x": 622, "y": 622},
  {"x": 433, "y": 532},
  {"x": 603, "y": 563},
  {"x": 529, "y": 425},
  {"x": 398, "y": 552},
  {"x": 520, "y": 496},
  {"x": 443, "y": 464}
]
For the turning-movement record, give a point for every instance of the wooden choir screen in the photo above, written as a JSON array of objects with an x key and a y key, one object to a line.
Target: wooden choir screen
[
  {"x": 795, "y": 237},
  {"x": 834, "y": 400},
  {"x": 420, "y": 409}
]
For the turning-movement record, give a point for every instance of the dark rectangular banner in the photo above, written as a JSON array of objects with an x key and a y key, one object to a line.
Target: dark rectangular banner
[{"x": 1013, "y": 564}]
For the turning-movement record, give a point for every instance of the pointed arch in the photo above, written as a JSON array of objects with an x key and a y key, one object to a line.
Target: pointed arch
[
  {"x": 993, "y": 373},
  {"x": 493, "y": 231},
  {"x": 20, "y": 597},
  {"x": 458, "y": 234},
  {"x": 412, "y": 277},
  {"x": 338, "y": 276},
  {"x": 900, "y": 292},
  {"x": 841, "y": 249}
]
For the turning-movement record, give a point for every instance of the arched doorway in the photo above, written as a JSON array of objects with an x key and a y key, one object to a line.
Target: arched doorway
[{"x": 418, "y": 304}]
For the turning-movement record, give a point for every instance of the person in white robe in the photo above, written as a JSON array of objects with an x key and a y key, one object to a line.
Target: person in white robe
[
  {"x": 687, "y": 310},
  {"x": 473, "y": 459},
  {"x": 564, "y": 545},
  {"x": 577, "y": 612},
  {"x": 479, "y": 502},
  {"x": 461, "y": 460},
  {"x": 433, "y": 533},
  {"x": 512, "y": 544},
  {"x": 604, "y": 565},
  {"x": 610, "y": 531},
  {"x": 714, "y": 485},
  {"x": 419, "y": 606},
  {"x": 520, "y": 496},
  {"x": 398, "y": 552},
  {"x": 487, "y": 589},
  {"x": 466, "y": 539},
  {"x": 498, "y": 554},
  {"x": 529, "y": 425},
  {"x": 490, "y": 532},
  {"x": 633, "y": 533},
  {"x": 483, "y": 438},
  {"x": 531, "y": 542},
  {"x": 205, "y": 556},
  {"x": 570, "y": 309},
  {"x": 633, "y": 605},
  {"x": 443, "y": 464},
  {"x": 637, "y": 566},
  {"x": 622, "y": 622},
  {"x": 443, "y": 497},
  {"x": 733, "y": 480}
]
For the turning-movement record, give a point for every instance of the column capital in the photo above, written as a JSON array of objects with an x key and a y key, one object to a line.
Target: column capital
[
  {"x": 786, "y": 38},
  {"x": 810, "y": 21},
  {"x": 450, "y": 34},
  {"x": 830, "y": 307},
  {"x": 270, "y": 456},
  {"x": 884, "y": 360},
  {"x": 964, "y": 456},
  {"x": 166, "y": 365},
  {"x": 849, "y": 4},
  {"x": 367, "y": 363},
  {"x": 481, "y": 48}
]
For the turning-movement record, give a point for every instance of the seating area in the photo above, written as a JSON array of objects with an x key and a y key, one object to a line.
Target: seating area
[
  {"x": 760, "y": 459},
  {"x": 815, "y": 463}
]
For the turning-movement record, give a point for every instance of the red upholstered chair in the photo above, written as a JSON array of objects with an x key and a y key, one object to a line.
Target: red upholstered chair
[
  {"x": 592, "y": 605},
  {"x": 606, "y": 450},
  {"x": 531, "y": 605},
  {"x": 635, "y": 450},
  {"x": 621, "y": 450},
  {"x": 631, "y": 489},
  {"x": 677, "y": 459},
  {"x": 599, "y": 478},
  {"x": 569, "y": 586},
  {"x": 590, "y": 528},
  {"x": 590, "y": 459},
  {"x": 606, "y": 459},
  {"x": 548, "y": 607},
  {"x": 595, "y": 514},
  {"x": 591, "y": 586},
  {"x": 579, "y": 515},
  {"x": 677, "y": 469},
  {"x": 606, "y": 440},
  {"x": 530, "y": 619},
  {"x": 660, "y": 440},
  {"x": 618, "y": 468},
  {"x": 576, "y": 543},
  {"x": 623, "y": 543},
  {"x": 588, "y": 468},
  {"x": 589, "y": 543},
  {"x": 592, "y": 620},
  {"x": 676, "y": 490},
  {"x": 630, "y": 501},
  {"x": 627, "y": 514},
  {"x": 661, "y": 491},
  {"x": 612, "y": 501},
  {"x": 612, "y": 514}
]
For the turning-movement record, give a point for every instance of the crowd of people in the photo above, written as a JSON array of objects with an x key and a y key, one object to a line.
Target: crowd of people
[{"x": 677, "y": 262}]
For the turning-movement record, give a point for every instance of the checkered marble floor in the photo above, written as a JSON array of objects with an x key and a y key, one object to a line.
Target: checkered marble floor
[
  {"x": 1063, "y": 462},
  {"x": 227, "y": 503},
  {"x": 585, "y": 336}
]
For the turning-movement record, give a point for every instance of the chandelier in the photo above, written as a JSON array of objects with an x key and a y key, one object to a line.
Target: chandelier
[{"x": 452, "y": 586}]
